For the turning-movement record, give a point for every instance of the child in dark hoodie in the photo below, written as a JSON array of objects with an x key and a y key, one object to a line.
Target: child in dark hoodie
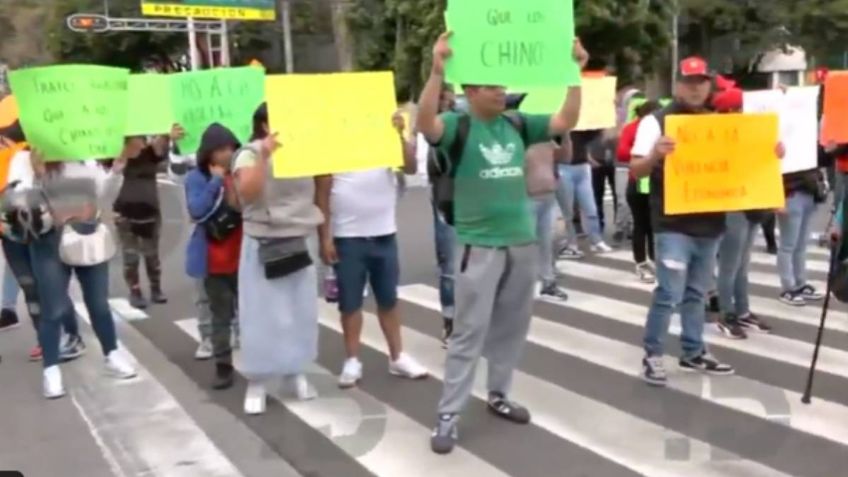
[{"x": 215, "y": 244}]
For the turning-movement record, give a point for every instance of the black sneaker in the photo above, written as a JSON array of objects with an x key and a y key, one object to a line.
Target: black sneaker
[
  {"x": 706, "y": 363},
  {"x": 156, "y": 296},
  {"x": 224, "y": 376},
  {"x": 502, "y": 407},
  {"x": 809, "y": 292},
  {"x": 71, "y": 348},
  {"x": 8, "y": 320},
  {"x": 713, "y": 305},
  {"x": 445, "y": 434},
  {"x": 754, "y": 323},
  {"x": 137, "y": 300},
  {"x": 653, "y": 371},
  {"x": 729, "y": 326},
  {"x": 792, "y": 299},
  {"x": 552, "y": 290},
  {"x": 447, "y": 331}
]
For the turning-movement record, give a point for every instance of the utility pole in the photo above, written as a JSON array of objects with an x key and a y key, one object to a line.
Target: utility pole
[
  {"x": 675, "y": 43},
  {"x": 285, "y": 20}
]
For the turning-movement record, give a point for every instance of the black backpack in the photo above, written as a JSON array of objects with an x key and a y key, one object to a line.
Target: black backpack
[{"x": 442, "y": 168}]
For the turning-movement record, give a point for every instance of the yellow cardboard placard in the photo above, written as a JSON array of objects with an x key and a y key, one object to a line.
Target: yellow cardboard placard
[
  {"x": 598, "y": 104},
  {"x": 333, "y": 123},
  {"x": 723, "y": 163}
]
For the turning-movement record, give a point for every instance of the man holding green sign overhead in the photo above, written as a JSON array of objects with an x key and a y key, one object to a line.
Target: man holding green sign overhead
[{"x": 496, "y": 235}]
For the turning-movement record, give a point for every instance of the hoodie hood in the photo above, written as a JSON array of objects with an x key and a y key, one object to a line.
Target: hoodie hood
[{"x": 215, "y": 137}]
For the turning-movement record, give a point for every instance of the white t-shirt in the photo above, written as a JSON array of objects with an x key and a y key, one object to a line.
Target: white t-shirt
[
  {"x": 363, "y": 203},
  {"x": 647, "y": 135},
  {"x": 422, "y": 155}
]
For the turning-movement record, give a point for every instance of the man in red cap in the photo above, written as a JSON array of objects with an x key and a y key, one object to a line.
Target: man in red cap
[{"x": 686, "y": 245}]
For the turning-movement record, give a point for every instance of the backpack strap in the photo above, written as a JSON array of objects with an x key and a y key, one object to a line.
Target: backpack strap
[
  {"x": 457, "y": 148},
  {"x": 517, "y": 121}
]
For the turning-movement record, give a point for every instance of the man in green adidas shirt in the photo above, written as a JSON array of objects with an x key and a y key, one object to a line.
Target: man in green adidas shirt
[{"x": 494, "y": 218}]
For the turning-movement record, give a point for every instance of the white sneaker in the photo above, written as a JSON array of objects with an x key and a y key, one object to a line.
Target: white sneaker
[
  {"x": 351, "y": 373},
  {"x": 204, "y": 350},
  {"x": 407, "y": 367},
  {"x": 255, "y": 399},
  {"x": 645, "y": 273},
  {"x": 118, "y": 367},
  {"x": 304, "y": 390},
  {"x": 53, "y": 388},
  {"x": 601, "y": 247}
]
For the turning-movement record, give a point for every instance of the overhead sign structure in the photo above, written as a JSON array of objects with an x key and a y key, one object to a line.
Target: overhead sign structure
[{"x": 217, "y": 9}]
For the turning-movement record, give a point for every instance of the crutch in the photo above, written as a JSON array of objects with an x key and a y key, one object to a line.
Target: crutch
[{"x": 808, "y": 390}]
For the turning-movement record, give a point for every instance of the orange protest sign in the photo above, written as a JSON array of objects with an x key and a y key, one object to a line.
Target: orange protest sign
[
  {"x": 723, "y": 163},
  {"x": 8, "y": 111},
  {"x": 835, "y": 118}
]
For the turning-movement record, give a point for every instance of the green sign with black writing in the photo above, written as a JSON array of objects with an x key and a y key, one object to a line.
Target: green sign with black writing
[
  {"x": 73, "y": 112},
  {"x": 228, "y": 96},
  {"x": 512, "y": 43}
]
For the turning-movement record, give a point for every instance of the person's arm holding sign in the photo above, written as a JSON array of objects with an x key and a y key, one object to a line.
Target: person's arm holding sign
[
  {"x": 410, "y": 163},
  {"x": 251, "y": 173},
  {"x": 428, "y": 121},
  {"x": 649, "y": 148},
  {"x": 568, "y": 116}
]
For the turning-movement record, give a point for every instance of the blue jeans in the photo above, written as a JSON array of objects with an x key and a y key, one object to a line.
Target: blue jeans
[
  {"x": 445, "y": 239},
  {"x": 575, "y": 182},
  {"x": 545, "y": 209},
  {"x": 794, "y": 227},
  {"x": 363, "y": 260},
  {"x": 734, "y": 255},
  {"x": 685, "y": 267},
  {"x": 19, "y": 262},
  {"x": 11, "y": 290},
  {"x": 52, "y": 278}
]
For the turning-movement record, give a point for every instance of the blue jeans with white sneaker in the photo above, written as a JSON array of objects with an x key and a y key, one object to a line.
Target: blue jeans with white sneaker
[
  {"x": 685, "y": 268},
  {"x": 575, "y": 182},
  {"x": 794, "y": 225}
]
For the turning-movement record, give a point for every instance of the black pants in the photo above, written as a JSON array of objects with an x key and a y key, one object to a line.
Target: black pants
[
  {"x": 768, "y": 231},
  {"x": 643, "y": 232},
  {"x": 222, "y": 291},
  {"x": 600, "y": 177}
]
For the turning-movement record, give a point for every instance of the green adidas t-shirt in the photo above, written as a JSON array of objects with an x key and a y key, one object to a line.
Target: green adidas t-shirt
[{"x": 491, "y": 204}]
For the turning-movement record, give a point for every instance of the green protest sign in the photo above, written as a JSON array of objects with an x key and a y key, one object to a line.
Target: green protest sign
[
  {"x": 149, "y": 110},
  {"x": 636, "y": 102},
  {"x": 644, "y": 185},
  {"x": 73, "y": 112},
  {"x": 512, "y": 43},
  {"x": 228, "y": 96}
]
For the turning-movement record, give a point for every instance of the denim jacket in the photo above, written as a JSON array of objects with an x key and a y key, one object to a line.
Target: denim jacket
[{"x": 202, "y": 195}]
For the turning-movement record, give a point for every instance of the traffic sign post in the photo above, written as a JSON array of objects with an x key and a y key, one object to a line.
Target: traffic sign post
[{"x": 242, "y": 10}]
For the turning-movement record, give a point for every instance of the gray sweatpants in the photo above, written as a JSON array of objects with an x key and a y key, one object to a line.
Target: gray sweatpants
[{"x": 494, "y": 293}]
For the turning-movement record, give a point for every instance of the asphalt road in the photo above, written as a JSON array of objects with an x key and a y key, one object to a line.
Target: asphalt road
[{"x": 593, "y": 417}]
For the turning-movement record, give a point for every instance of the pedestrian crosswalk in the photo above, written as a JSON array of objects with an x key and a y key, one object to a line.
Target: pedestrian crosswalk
[{"x": 592, "y": 416}]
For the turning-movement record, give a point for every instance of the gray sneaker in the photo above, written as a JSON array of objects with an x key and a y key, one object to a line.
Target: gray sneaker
[{"x": 445, "y": 434}]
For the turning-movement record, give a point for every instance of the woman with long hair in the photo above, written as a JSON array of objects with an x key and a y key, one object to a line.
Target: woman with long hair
[
  {"x": 638, "y": 200},
  {"x": 277, "y": 279},
  {"x": 77, "y": 244}
]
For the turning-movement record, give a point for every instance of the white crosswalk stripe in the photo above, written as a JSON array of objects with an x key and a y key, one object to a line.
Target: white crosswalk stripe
[{"x": 571, "y": 413}]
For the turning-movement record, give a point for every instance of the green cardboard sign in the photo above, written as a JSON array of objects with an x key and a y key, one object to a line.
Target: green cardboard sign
[
  {"x": 73, "y": 112},
  {"x": 636, "y": 102},
  {"x": 149, "y": 110},
  {"x": 228, "y": 96},
  {"x": 512, "y": 43}
]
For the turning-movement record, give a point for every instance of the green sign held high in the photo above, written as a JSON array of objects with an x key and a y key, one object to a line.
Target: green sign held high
[
  {"x": 228, "y": 96},
  {"x": 73, "y": 112},
  {"x": 150, "y": 105},
  {"x": 512, "y": 43}
]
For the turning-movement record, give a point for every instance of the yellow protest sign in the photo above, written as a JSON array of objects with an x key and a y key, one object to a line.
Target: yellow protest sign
[
  {"x": 598, "y": 104},
  {"x": 723, "y": 163},
  {"x": 333, "y": 123}
]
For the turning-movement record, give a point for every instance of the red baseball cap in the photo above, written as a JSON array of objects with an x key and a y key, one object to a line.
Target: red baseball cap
[
  {"x": 694, "y": 66},
  {"x": 728, "y": 101}
]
